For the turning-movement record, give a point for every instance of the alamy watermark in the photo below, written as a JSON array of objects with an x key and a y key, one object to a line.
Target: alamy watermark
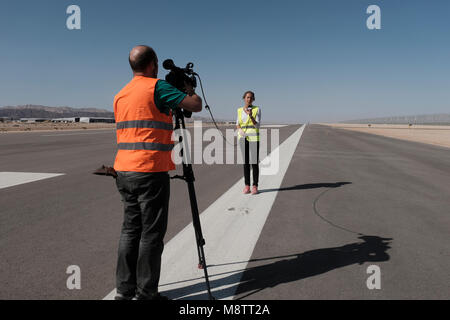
[
  {"x": 374, "y": 20},
  {"x": 73, "y": 21},
  {"x": 74, "y": 280},
  {"x": 226, "y": 148},
  {"x": 374, "y": 280}
]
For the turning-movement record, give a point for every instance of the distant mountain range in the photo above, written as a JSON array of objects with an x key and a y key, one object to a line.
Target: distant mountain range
[
  {"x": 435, "y": 119},
  {"x": 36, "y": 111}
]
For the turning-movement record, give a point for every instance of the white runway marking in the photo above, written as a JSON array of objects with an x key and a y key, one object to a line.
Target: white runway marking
[
  {"x": 231, "y": 227},
  {"x": 9, "y": 179},
  {"x": 273, "y": 125}
]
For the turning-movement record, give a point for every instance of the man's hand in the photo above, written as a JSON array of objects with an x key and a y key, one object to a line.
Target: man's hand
[{"x": 191, "y": 102}]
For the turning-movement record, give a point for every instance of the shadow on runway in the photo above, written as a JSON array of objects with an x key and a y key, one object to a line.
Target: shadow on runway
[
  {"x": 243, "y": 283},
  {"x": 328, "y": 186},
  {"x": 308, "y": 186}
]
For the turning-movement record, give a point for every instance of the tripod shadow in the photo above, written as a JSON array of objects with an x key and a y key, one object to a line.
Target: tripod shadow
[
  {"x": 307, "y": 186},
  {"x": 244, "y": 283}
]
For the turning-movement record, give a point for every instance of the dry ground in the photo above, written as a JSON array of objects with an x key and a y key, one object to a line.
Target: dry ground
[
  {"x": 436, "y": 135},
  {"x": 49, "y": 126},
  {"x": 8, "y": 127}
]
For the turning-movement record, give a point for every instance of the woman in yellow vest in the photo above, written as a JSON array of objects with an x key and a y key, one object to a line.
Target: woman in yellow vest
[{"x": 248, "y": 122}]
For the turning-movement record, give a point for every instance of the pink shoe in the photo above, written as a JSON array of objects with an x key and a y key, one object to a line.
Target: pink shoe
[
  {"x": 247, "y": 189},
  {"x": 255, "y": 190}
]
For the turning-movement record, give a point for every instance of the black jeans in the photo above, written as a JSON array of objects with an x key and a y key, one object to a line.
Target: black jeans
[
  {"x": 145, "y": 197},
  {"x": 251, "y": 159}
]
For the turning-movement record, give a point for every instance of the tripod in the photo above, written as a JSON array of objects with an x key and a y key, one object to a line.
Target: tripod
[{"x": 188, "y": 176}]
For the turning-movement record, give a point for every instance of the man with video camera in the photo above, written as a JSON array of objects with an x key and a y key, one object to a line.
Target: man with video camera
[{"x": 143, "y": 114}]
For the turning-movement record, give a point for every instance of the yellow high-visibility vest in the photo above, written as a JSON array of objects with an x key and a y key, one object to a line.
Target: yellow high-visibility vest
[{"x": 250, "y": 130}]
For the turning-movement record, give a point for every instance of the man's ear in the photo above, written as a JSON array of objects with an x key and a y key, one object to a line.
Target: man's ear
[
  {"x": 150, "y": 68},
  {"x": 153, "y": 69}
]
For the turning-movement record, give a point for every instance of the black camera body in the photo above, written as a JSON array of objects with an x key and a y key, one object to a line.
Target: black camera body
[{"x": 177, "y": 77}]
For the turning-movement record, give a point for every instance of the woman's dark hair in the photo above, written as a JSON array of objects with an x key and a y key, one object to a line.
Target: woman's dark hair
[{"x": 251, "y": 92}]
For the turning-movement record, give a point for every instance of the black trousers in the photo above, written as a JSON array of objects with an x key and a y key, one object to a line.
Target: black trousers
[
  {"x": 251, "y": 160},
  {"x": 145, "y": 197}
]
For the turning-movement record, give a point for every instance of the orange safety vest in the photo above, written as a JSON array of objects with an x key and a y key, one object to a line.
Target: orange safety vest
[{"x": 144, "y": 134}]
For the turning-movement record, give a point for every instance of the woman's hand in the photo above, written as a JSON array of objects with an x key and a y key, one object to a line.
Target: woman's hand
[
  {"x": 250, "y": 114},
  {"x": 241, "y": 132}
]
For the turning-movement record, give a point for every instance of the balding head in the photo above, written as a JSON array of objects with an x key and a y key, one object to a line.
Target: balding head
[{"x": 141, "y": 57}]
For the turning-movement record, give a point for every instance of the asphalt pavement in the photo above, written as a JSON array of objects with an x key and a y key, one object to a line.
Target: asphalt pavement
[{"x": 347, "y": 201}]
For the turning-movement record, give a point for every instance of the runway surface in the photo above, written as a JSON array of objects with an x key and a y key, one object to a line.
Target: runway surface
[{"x": 346, "y": 201}]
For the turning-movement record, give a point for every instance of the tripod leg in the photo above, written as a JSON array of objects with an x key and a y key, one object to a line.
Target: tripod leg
[
  {"x": 189, "y": 178},
  {"x": 205, "y": 269},
  {"x": 198, "y": 230},
  {"x": 200, "y": 261}
]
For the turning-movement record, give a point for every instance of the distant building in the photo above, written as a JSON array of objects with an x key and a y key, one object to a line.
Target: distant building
[
  {"x": 67, "y": 120},
  {"x": 96, "y": 119},
  {"x": 32, "y": 120}
]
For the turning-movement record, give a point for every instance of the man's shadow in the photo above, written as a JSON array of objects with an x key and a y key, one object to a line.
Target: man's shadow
[
  {"x": 307, "y": 186},
  {"x": 244, "y": 283}
]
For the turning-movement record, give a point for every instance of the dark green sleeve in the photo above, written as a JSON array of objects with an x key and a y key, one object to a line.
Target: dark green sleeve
[{"x": 167, "y": 97}]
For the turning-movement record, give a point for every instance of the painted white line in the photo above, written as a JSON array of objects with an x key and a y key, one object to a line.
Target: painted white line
[
  {"x": 9, "y": 179},
  {"x": 273, "y": 125},
  {"x": 231, "y": 227}
]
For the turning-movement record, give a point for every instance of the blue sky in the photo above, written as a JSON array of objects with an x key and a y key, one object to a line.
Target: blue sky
[{"x": 311, "y": 60}]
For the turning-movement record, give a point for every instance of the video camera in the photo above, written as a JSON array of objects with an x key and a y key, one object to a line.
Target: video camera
[{"x": 179, "y": 76}]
